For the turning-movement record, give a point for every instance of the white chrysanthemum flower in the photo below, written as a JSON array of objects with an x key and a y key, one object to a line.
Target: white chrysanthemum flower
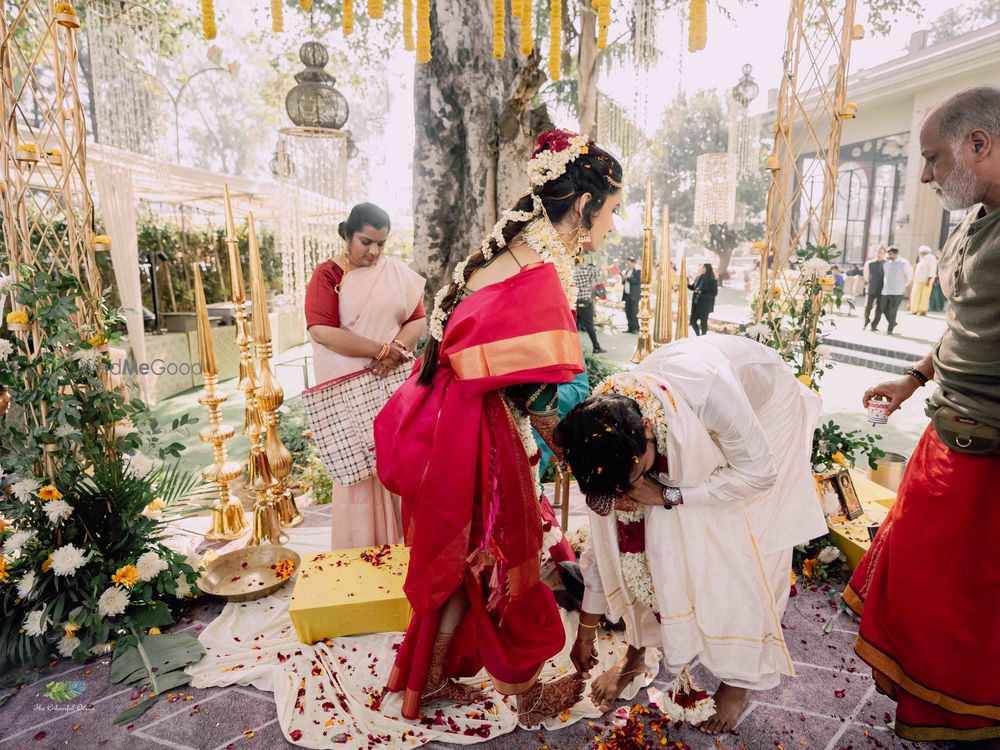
[
  {"x": 138, "y": 465},
  {"x": 57, "y": 511},
  {"x": 67, "y": 645},
  {"x": 88, "y": 358},
  {"x": 16, "y": 541},
  {"x": 5, "y": 282},
  {"x": 34, "y": 625},
  {"x": 65, "y": 430},
  {"x": 67, "y": 560},
  {"x": 759, "y": 332},
  {"x": 831, "y": 503},
  {"x": 828, "y": 555},
  {"x": 112, "y": 602},
  {"x": 24, "y": 489},
  {"x": 183, "y": 587},
  {"x": 26, "y": 585},
  {"x": 823, "y": 352},
  {"x": 150, "y": 565},
  {"x": 815, "y": 267},
  {"x": 6, "y": 349}
]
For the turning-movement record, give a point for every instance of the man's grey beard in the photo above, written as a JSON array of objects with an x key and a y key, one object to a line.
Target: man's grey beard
[{"x": 961, "y": 188}]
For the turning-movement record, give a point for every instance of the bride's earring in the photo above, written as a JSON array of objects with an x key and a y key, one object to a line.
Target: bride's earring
[{"x": 584, "y": 237}]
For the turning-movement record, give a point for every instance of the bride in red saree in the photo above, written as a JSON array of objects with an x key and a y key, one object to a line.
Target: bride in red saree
[{"x": 455, "y": 443}]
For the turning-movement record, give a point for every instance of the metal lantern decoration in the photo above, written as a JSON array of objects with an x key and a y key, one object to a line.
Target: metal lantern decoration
[
  {"x": 314, "y": 102},
  {"x": 746, "y": 89}
]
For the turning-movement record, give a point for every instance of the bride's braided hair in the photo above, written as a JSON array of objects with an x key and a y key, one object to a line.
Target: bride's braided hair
[{"x": 596, "y": 172}]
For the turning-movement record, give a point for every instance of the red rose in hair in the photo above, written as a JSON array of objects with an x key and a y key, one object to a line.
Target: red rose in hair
[{"x": 555, "y": 140}]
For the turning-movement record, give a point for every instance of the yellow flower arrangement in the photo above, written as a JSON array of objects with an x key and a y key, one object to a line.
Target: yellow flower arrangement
[
  {"x": 49, "y": 492},
  {"x": 102, "y": 239},
  {"x": 603, "y": 22},
  {"x": 47, "y": 564},
  {"x": 839, "y": 458},
  {"x": 499, "y": 17},
  {"x": 31, "y": 148},
  {"x": 18, "y": 317},
  {"x": 773, "y": 163},
  {"x": 698, "y": 29},
  {"x": 154, "y": 631},
  {"x": 423, "y": 31},
  {"x": 208, "y": 29},
  {"x": 70, "y": 629},
  {"x": 376, "y": 9},
  {"x": 127, "y": 576},
  {"x": 515, "y": 8},
  {"x": 809, "y": 567},
  {"x": 155, "y": 506},
  {"x": 827, "y": 281},
  {"x": 794, "y": 578},
  {"x": 555, "y": 39},
  {"x": 98, "y": 339},
  {"x": 54, "y": 152},
  {"x": 806, "y": 380},
  {"x": 306, "y": 5},
  {"x": 66, "y": 8},
  {"x": 348, "y": 17},
  {"x": 4, "y": 572},
  {"x": 284, "y": 568},
  {"x": 277, "y": 17},
  {"x": 527, "y": 41},
  {"x": 408, "y": 43}
]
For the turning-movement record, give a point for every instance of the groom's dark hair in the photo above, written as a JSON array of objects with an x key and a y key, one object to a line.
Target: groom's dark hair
[{"x": 601, "y": 439}]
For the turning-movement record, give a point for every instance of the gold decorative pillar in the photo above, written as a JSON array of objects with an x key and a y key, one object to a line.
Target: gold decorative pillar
[
  {"x": 228, "y": 521},
  {"x": 683, "y": 318},
  {"x": 266, "y": 525},
  {"x": 644, "y": 345},
  {"x": 664, "y": 317},
  {"x": 270, "y": 394}
]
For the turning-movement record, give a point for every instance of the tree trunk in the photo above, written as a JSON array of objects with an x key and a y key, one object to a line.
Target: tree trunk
[
  {"x": 587, "y": 70},
  {"x": 472, "y": 122}
]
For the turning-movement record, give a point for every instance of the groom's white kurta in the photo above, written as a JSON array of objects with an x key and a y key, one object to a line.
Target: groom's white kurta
[{"x": 740, "y": 429}]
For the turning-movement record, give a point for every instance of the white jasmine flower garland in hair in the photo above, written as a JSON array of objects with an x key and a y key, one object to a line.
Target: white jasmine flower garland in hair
[{"x": 547, "y": 165}]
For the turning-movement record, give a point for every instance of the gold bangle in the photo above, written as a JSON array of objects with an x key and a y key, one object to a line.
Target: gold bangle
[
  {"x": 595, "y": 626},
  {"x": 382, "y": 353},
  {"x": 401, "y": 345}
]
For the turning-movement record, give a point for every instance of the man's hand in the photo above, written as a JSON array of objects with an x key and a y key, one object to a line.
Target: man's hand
[
  {"x": 584, "y": 652},
  {"x": 896, "y": 391},
  {"x": 646, "y": 492}
]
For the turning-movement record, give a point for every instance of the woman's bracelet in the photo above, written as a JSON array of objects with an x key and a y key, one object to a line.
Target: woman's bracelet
[
  {"x": 594, "y": 626},
  {"x": 401, "y": 345},
  {"x": 383, "y": 352}
]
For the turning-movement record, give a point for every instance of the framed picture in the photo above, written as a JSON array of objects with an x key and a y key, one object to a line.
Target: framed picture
[
  {"x": 829, "y": 495},
  {"x": 848, "y": 495}
]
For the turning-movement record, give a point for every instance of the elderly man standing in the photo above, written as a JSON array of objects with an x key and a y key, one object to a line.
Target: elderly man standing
[
  {"x": 923, "y": 280},
  {"x": 928, "y": 591}
]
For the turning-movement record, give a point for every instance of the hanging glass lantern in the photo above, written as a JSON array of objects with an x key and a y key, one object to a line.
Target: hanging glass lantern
[
  {"x": 746, "y": 89},
  {"x": 314, "y": 102}
]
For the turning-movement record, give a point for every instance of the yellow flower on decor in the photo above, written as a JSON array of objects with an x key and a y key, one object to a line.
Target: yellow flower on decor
[
  {"x": 376, "y": 9},
  {"x": 348, "y": 17},
  {"x": 70, "y": 629},
  {"x": 306, "y": 5},
  {"x": 277, "y": 17},
  {"x": 794, "y": 579},
  {"x": 515, "y": 8},
  {"x": 31, "y": 148},
  {"x": 97, "y": 340},
  {"x": 153, "y": 631},
  {"x": 839, "y": 458},
  {"x": 66, "y": 8},
  {"x": 423, "y": 31},
  {"x": 47, "y": 564},
  {"x": 408, "y": 43},
  {"x": 54, "y": 152},
  {"x": 809, "y": 567},
  {"x": 555, "y": 39},
  {"x": 773, "y": 163},
  {"x": 49, "y": 492},
  {"x": 156, "y": 505},
  {"x": 208, "y": 19},
  {"x": 603, "y": 22},
  {"x": 3, "y": 526},
  {"x": 18, "y": 317},
  {"x": 527, "y": 41},
  {"x": 127, "y": 576},
  {"x": 499, "y": 17},
  {"x": 698, "y": 29},
  {"x": 102, "y": 239},
  {"x": 827, "y": 281},
  {"x": 4, "y": 572},
  {"x": 806, "y": 380}
]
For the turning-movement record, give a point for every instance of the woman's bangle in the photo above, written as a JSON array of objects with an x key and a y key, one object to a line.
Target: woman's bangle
[
  {"x": 383, "y": 352},
  {"x": 401, "y": 345},
  {"x": 594, "y": 626}
]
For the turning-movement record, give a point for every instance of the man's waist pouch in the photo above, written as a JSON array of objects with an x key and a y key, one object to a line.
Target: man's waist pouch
[{"x": 962, "y": 433}]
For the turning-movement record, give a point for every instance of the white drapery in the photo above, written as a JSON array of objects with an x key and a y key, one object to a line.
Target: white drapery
[{"x": 117, "y": 202}]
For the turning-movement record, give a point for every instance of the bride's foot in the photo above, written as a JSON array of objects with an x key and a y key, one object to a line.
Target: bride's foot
[
  {"x": 606, "y": 688},
  {"x": 453, "y": 692},
  {"x": 729, "y": 704},
  {"x": 548, "y": 699}
]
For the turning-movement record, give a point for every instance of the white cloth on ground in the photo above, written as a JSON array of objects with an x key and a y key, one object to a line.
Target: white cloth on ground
[
  {"x": 714, "y": 560},
  {"x": 324, "y": 692}
]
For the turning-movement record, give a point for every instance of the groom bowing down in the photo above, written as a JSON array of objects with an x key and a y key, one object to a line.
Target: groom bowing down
[{"x": 697, "y": 473}]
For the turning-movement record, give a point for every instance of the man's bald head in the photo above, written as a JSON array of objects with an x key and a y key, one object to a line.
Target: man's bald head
[{"x": 960, "y": 143}]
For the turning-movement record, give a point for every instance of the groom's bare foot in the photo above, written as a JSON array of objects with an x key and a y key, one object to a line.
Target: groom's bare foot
[
  {"x": 729, "y": 704},
  {"x": 606, "y": 688}
]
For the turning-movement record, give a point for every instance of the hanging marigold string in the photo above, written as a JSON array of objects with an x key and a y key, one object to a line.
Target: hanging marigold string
[
  {"x": 423, "y": 31},
  {"x": 208, "y": 19},
  {"x": 306, "y": 5},
  {"x": 555, "y": 39},
  {"x": 499, "y": 17},
  {"x": 348, "y": 17},
  {"x": 515, "y": 8},
  {"x": 603, "y": 22},
  {"x": 698, "y": 29},
  {"x": 408, "y": 26},
  {"x": 527, "y": 42},
  {"x": 376, "y": 9},
  {"x": 277, "y": 19}
]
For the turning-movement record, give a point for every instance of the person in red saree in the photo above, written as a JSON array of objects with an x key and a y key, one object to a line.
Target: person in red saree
[{"x": 455, "y": 443}]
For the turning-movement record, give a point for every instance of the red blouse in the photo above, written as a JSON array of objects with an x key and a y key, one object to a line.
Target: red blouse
[{"x": 323, "y": 300}]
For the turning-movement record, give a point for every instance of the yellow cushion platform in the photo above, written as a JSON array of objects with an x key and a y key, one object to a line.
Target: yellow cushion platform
[
  {"x": 851, "y": 537},
  {"x": 349, "y": 592}
]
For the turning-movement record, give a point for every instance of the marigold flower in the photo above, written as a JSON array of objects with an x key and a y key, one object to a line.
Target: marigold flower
[
  {"x": 839, "y": 458},
  {"x": 18, "y": 317},
  {"x": 49, "y": 492},
  {"x": 70, "y": 629},
  {"x": 806, "y": 380},
  {"x": 809, "y": 567},
  {"x": 47, "y": 564},
  {"x": 127, "y": 576}
]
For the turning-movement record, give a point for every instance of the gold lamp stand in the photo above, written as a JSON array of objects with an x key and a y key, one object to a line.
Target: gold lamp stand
[
  {"x": 228, "y": 521},
  {"x": 683, "y": 315},
  {"x": 664, "y": 316},
  {"x": 644, "y": 346},
  {"x": 270, "y": 394}
]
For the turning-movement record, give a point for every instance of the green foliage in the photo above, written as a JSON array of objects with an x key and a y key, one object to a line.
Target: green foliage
[
  {"x": 819, "y": 561},
  {"x": 157, "y": 661},
  {"x": 307, "y": 469},
  {"x": 829, "y": 441},
  {"x": 63, "y": 690},
  {"x": 962, "y": 19}
]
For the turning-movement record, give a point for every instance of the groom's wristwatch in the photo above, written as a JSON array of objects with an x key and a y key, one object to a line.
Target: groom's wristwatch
[{"x": 672, "y": 496}]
